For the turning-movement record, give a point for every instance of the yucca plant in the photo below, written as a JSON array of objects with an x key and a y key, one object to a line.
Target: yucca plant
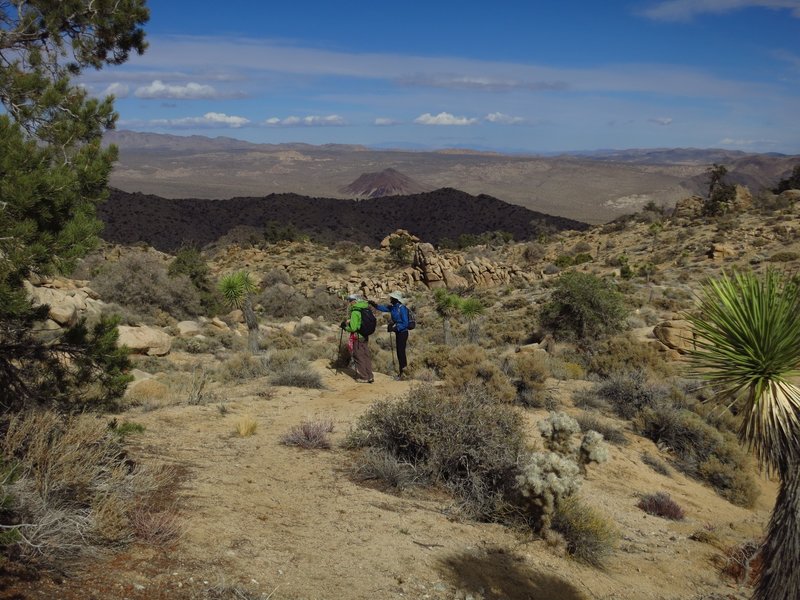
[
  {"x": 747, "y": 345},
  {"x": 472, "y": 309},
  {"x": 237, "y": 290},
  {"x": 447, "y": 305}
]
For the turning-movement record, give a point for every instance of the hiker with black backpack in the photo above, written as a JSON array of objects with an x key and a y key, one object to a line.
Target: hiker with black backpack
[
  {"x": 402, "y": 322},
  {"x": 360, "y": 326}
]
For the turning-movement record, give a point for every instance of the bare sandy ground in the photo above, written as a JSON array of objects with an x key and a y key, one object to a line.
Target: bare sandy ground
[{"x": 263, "y": 520}]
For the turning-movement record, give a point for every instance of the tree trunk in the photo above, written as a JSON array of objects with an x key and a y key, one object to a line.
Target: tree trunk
[
  {"x": 780, "y": 578},
  {"x": 252, "y": 326},
  {"x": 446, "y": 326}
]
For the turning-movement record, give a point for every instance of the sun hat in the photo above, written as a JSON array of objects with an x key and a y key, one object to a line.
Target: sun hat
[
  {"x": 353, "y": 297},
  {"x": 398, "y": 296}
]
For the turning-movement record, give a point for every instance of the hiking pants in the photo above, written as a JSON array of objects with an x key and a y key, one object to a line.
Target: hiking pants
[
  {"x": 362, "y": 359},
  {"x": 402, "y": 338}
]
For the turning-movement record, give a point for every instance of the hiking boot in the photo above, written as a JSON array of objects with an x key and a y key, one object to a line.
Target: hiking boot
[{"x": 362, "y": 380}]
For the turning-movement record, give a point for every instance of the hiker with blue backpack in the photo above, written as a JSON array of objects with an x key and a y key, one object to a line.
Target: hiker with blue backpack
[
  {"x": 402, "y": 322},
  {"x": 360, "y": 326}
]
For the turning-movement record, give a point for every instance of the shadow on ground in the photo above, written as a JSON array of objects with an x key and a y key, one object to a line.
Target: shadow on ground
[{"x": 496, "y": 574}]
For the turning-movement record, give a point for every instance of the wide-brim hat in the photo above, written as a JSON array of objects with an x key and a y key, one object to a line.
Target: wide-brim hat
[
  {"x": 398, "y": 296},
  {"x": 353, "y": 297}
]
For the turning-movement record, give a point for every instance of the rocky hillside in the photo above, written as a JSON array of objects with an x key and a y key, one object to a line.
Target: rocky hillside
[{"x": 433, "y": 216}]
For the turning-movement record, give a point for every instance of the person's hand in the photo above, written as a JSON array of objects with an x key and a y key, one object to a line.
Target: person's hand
[
  {"x": 372, "y": 303},
  {"x": 343, "y": 325},
  {"x": 390, "y": 327}
]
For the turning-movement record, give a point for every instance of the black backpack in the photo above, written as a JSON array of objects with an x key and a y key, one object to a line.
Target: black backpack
[
  {"x": 412, "y": 321},
  {"x": 368, "y": 322}
]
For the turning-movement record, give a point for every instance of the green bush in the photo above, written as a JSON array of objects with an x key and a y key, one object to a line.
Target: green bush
[
  {"x": 140, "y": 281},
  {"x": 583, "y": 306}
]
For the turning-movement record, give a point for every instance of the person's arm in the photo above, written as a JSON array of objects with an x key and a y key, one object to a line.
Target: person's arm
[
  {"x": 380, "y": 307},
  {"x": 354, "y": 324}
]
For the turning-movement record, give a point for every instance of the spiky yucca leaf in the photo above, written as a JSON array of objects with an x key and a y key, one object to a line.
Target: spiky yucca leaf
[
  {"x": 747, "y": 344},
  {"x": 235, "y": 287}
]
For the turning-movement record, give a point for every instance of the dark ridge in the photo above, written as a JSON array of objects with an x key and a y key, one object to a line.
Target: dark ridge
[{"x": 167, "y": 224}]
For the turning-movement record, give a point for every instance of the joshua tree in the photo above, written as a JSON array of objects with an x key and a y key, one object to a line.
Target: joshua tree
[
  {"x": 747, "y": 338},
  {"x": 471, "y": 309},
  {"x": 447, "y": 305},
  {"x": 237, "y": 291}
]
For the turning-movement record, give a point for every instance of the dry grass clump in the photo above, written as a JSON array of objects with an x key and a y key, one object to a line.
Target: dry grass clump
[
  {"x": 469, "y": 364},
  {"x": 467, "y": 442},
  {"x": 296, "y": 374},
  {"x": 310, "y": 434},
  {"x": 655, "y": 463},
  {"x": 589, "y": 536},
  {"x": 242, "y": 367},
  {"x": 377, "y": 464},
  {"x": 72, "y": 491},
  {"x": 591, "y": 422},
  {"x": 246, "y": 426},
  {"x": 661, "y": 504}
]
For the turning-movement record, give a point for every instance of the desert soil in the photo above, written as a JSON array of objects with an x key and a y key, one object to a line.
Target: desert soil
[{"x": 263, "y": 520}]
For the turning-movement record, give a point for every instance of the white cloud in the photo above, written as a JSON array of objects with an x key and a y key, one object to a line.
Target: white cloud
[
  {"x": 661, "y": 120},
  {"x": 443, "y": 118},
  {"x": 385, "y": 122},
  {"x": 503, "y": 119},
  {"x": 310, "y": 121},
  {"x": 745, "y": 143},
  {"x": 190, "y": 91},
  {"x": 480, "y": 83},
  {"x": 119, "y": 90},
  {"x": 685, "y": 10},
  {"x": 208, "y": 120}
]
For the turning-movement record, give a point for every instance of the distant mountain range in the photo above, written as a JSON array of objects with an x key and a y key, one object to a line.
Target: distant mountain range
[
  {"x": 593, "y": 187},
  {"x": 166, "y": 224}
]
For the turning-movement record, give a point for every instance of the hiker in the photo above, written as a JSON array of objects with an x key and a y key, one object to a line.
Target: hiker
[
  {"x": 359, "y": 328},
  {"x": 399, "y": 326}
]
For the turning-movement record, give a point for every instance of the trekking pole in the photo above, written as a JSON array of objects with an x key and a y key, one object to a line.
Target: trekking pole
[
  {"x": 391, "y": 346},
  {"x": 338, "y": 356}
]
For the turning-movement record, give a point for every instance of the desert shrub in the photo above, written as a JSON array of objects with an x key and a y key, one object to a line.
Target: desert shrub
[
  {"x": 310, "y": 434},
  {"x": 533, "y": 252},
  {"x": 140, "y": 282},
  {"x": 610, "y": 433},
  {"x": 241, "y": 367},
  {"x": 190, "y": 262},
  {"x": 743, "y": 562},
  {"x": 71, "y": 489},
  {"x": 296, "y": 374},
  {"x": 197, "y": 344},
  {"x": 785, "y": 256},
  {"x": 701, "y": 451},
  {"x": 589, "y": 399},
  {"x": 655, "y": 463},
  {"x": 661, "y": 505},
  {"x": 467, "y": 442},
  {"x": 630, "y": 392},
  {"x": 339, "y": 267},
  {"x": 616, "y": 354},
  {"x": 375, "y": 464},
  {"x": 469, "y": 364},
  {"x": 550, "y": 269},
  {"x": 563, "y": 261},
  {"x": 529, "y": 372},
  {"x": 589, "y": 536},
  {"x": 124, "y": 429},
  {"x": 275, "y": 277},
  {"x": 583, "y": 306}
]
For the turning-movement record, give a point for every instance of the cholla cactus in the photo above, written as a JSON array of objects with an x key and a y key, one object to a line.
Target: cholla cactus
[
  {"x": 593, "y": 449},
  {"x": 544, "y": 481},
  {"x": 557, "y": 431}
]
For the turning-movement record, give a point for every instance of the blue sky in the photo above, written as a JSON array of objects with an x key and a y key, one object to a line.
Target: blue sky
[{"x": 510, "y": 76}]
